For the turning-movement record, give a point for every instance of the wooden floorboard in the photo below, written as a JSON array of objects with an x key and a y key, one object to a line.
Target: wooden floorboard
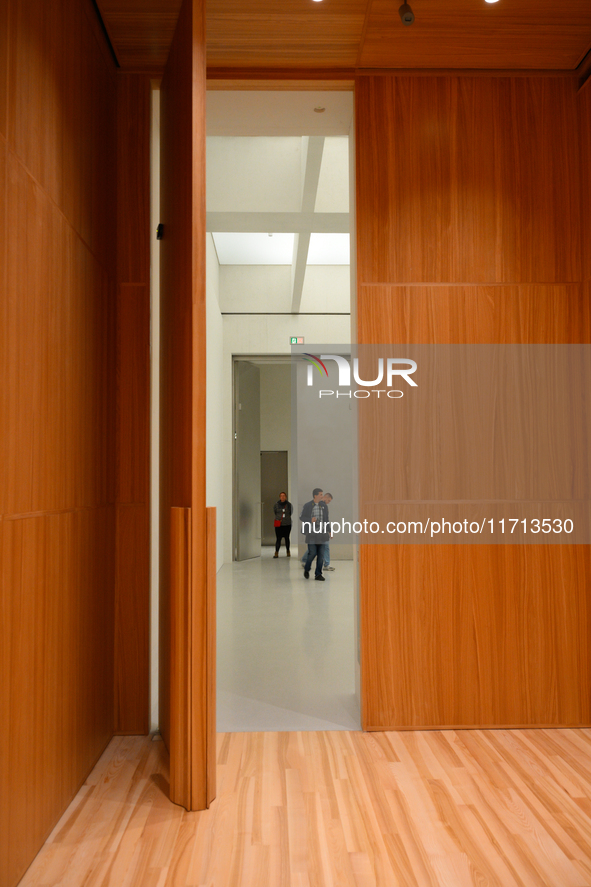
[{"x": 450, "y": 808}]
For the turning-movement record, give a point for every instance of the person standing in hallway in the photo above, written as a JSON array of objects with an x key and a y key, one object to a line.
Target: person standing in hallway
[
  {"x": 283, "y": 510},
  {"x": 314, "y": 525},
  {"x": 327, "y": 498}
]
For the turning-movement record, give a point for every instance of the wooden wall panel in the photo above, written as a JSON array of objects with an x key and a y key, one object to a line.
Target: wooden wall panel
[
  {"x": 468, "y": 180},
  {"x": 133, "y": 178},
  {"x": 132, "y": 607},
  {"x": 469, "y": 231},
  {"x": 475, "y": 635},
  {"x": 4, "y": 393},
  {"x": 584, "y": 108},
  {"x": 132, "y": 615},
  {"x": 132, "y": 590},
  {"x": 455, "y": 315},
  {"x": 3, "y": 66},
  {"x": 57, "y": 414},
  {"x": 133, "y": 405},
  {"x": 35, "y": 84},
  {"x": 57, "y": 410},
  {"x": 57, "y": 630}
]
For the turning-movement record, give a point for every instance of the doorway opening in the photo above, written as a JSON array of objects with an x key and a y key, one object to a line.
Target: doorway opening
[
  {"x": 279, "y": 227},
  {"x": 274, "y": 476},
  {"x": 262, "y": 445}
]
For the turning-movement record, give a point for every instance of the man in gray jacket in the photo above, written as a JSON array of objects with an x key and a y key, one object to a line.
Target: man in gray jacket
[{"x": 314, "y": 518}]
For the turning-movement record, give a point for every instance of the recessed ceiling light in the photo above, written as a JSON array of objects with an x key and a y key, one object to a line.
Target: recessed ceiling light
[
  {"x": 491, "y": 1},
  {"x": 319, "y": 110}
]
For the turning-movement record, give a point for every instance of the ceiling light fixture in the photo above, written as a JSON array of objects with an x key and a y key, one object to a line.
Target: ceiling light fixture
[
  {"x": 491, "y": 1},
  {"x": 319, "y": 110},
  {"x": 406, "y": 14}
]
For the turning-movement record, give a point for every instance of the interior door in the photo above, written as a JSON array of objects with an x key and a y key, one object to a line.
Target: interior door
[
  {"x": 273, "y": 481},
  {"x": 247, "y": 391},
  {"x": 187, "y": 613}
]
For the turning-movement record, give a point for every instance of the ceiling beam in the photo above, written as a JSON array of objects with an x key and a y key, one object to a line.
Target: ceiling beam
[
  {"x": 311, "y": 177},
  {"x": 278, "y": 223}
]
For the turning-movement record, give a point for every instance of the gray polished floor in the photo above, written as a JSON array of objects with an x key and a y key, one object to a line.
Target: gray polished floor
[{"x": 286, "y": 647}]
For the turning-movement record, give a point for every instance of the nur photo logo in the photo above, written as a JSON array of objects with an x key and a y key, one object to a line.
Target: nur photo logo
[{"x": 389, "y": 371}]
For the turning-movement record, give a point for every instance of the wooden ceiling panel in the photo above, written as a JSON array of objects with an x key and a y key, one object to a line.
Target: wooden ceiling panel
[
  {"x": 140, "y": 31},
  {"x": 475, "y": 34},
  {"x": 510, "y": 34},
  {"x": 317, "y": 37}
]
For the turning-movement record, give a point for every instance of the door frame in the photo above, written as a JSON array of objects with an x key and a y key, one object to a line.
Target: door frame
[{"x": 257, "y": 359}]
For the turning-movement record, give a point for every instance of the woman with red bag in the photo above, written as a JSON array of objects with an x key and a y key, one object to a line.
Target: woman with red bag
[{"x": 283, "y": 511}]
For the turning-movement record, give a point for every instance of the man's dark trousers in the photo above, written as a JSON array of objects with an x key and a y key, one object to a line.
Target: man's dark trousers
[{"x": 315, "y": 550}]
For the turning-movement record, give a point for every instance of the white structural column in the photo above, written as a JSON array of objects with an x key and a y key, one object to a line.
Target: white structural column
[{"x": 311, "y": 176}]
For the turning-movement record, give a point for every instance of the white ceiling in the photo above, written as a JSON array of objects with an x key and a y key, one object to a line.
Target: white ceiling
[
  {"x": 278, "y": 185},
  {"x": 279, "y": 113},
  {"x": 249, "y": 248},
  {"x": 253, "y": 249}
]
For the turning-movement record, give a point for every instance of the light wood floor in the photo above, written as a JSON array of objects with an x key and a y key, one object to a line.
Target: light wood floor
[{"x": 453, "y": 808}]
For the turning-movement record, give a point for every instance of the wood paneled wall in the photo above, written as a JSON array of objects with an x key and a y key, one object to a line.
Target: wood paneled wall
[
  {"x": 57, "y": 415},
  {"x": 469, "y": 222},
  {"x": 132, "y": 589},
  {"x": 584, "y": 107}
]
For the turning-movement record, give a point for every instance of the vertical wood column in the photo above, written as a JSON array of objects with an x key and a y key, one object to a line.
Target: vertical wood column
[
  {"x": 584, "y": 108},
  {"x": 211, "y": 610},
  {"x": 181, "y": 651},
  {"x": 469, "y": 231},
  {"x": 132, "y": 589},
  {"x": 183, "y": 392}
]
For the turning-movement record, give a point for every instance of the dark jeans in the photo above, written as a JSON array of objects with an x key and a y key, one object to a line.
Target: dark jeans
[
  {"x": 315, "y": 551},
  {"x": 282, "y": 533}
]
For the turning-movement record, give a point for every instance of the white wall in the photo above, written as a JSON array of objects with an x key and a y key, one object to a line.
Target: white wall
[
  {"x": 275, "y": 406},
  {"x": 333, "y": 193},
  {"x": 246, "y": 174},
  {"x": 267, "y": 289},
  {"x": 215, "y": 395}
]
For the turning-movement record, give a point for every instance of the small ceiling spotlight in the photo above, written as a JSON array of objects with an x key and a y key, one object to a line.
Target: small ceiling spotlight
[
  {"x": 406, "y": 14},
  {"x": 319, "y": 110},
  {"x": 491, "y": 1}
]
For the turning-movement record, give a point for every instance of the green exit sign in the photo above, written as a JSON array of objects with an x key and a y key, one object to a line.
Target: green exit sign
[{"x": 296, "y": 340}]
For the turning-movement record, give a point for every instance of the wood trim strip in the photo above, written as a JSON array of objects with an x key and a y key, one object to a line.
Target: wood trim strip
[
  {"x": 280, "y": 74},
  {"x": 211, "y": 518},
  {"x": 466, "y": 72},
  {"x": 281, "y": 85},
  {"x": 344, "y": 78},
  {"x": 180, "y": 649},
  {"x": 396, "y": 728}
]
